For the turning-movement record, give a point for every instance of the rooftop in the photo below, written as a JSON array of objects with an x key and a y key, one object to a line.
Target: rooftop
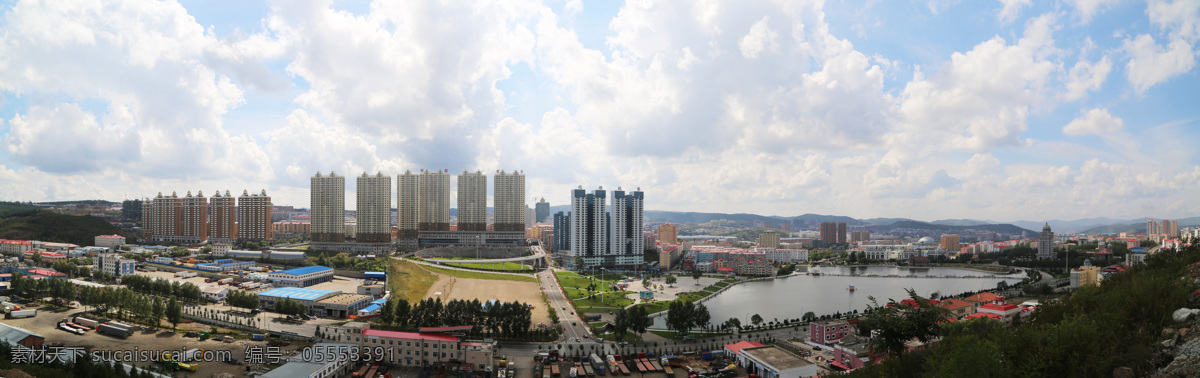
[
  {"x": 304, "y": 270},
  {"x": 982, "y": 297},
  {"x": 738, "y": 346},
  {"x": 299, "y": 293},
  {"x": 409, "y": 335},
  {"x": 776, "y": 358},
  {"x": 345, "y": 299},
  {"x": 954, "y": 304},
  {"x": 982, "y": 315}
]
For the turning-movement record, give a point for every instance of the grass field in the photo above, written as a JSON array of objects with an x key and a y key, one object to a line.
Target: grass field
[
  {"x": 409, "y": 280},
  {"x": 613, "y": 299},
  {"x": 481, "y": 275},
  {"x": 491, "y": 266}
]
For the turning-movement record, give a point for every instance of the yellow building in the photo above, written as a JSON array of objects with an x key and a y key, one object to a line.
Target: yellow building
[{"x": 668, "y": 234}]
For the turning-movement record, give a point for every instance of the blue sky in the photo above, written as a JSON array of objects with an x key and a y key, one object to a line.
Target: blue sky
[{"x": 1001, "y": 110}]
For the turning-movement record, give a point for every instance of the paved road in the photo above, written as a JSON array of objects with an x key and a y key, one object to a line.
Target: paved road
[{"x": 538, "y": 254}]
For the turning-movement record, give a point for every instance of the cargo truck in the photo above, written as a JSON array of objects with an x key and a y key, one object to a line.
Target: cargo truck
[
  {"x": 115, "y": 330},
  {"x": 27, "y": 313},
  {"x": 597, "y": 364},
  {"x": 87, "y": 322},
  {"x": 224, "y": 281},
  {"x": 65, "y": 327},
  {"x": 73, "y": 325}
]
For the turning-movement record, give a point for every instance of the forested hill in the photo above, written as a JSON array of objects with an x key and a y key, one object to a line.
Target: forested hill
[{"x": 27, "y": 222}]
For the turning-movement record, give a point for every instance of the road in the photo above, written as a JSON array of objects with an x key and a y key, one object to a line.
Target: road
[{"x": 573, "y": 327}]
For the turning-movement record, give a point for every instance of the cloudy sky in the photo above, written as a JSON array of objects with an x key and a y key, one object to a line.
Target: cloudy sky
[{"x": 1002, "y": 110}]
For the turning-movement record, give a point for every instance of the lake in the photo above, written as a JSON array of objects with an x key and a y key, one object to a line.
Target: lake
[{"x": 792, "y": 296}]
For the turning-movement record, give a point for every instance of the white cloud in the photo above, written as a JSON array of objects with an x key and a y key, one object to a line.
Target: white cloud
[
  {"x": 1086, "y": 76},
  {"x": 1151, "y": 63},
  {"x": 1011, "y": 9},
  {"x": 760, "y": 38},
  {"x": 981, "y": 99},
  {"x": 67, "y": 139},
  {"x": 1095, "y": 121},
  {"x": 146, "y": 63},
  {"x": 1089, "y": 8}
]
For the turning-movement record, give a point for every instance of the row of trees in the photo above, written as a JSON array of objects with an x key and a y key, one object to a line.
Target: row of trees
[
  {"x": 72, "y": 269},
  {"x": 507, "y": 319},
  {"x": 288, "y": 306},
  {"x": 683, "y": 316},
  {"x": 59, "y": 289},
  {"x": 242, "y": 299},
  {"x": 167, "y": 288},
  {"x": 633, "y": 319},
  {"x": 131, "y": 305}
]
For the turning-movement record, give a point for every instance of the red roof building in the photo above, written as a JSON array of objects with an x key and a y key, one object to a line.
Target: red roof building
[
  {"x": 984, "y": 297},
  {"x": 983, "y": 315},
  {"x": 736, "y": 348},
  {"x": 409, "y": 335}
]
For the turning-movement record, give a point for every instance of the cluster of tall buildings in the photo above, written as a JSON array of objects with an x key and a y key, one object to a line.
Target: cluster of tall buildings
[
  {"x": 601, "y": 237},
  {"x": 833, "y": 233},
  {"x": 1165, "y": 228},
  {"x": 422, "y": 208},
  {"x": 194, "y": 219}
]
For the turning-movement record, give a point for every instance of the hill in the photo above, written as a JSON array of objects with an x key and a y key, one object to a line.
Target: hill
[
  {"x": 912, "y": 224},
  {"x": 35, "y": 224},
  {"x": 962, "y": 222}
]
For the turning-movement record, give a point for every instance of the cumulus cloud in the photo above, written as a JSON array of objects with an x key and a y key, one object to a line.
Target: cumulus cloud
[
  {"x": 1151, "y": 62},
  {"x": 1011, "y": 9},
  {"x": 1095, "y": 121},
  {"x": 1086, "y": 76},
  {"x": 981, "y": 99},
  {"x": 1089, "y": 8}
]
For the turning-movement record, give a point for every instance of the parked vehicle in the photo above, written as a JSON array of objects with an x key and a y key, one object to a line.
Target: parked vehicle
[
  {"x": 114, "y": 330},
  {"x": 87, "y": 322},
  {"x": 27, "y": 313}
]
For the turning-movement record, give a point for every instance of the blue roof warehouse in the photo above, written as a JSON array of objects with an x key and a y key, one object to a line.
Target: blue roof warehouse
[{"x": 302, "y": 277}]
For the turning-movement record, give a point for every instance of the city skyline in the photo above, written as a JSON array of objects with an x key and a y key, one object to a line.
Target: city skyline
[{"x": 1027, "y": 110}]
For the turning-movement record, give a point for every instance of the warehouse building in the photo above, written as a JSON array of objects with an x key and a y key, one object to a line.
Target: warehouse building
[{"x": 302, "y": 277}]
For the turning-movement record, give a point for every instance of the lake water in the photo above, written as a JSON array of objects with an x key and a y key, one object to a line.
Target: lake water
[{"x": 792, "y": 296}]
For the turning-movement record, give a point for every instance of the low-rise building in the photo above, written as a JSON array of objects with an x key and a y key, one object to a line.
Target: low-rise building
[
  {"x": 984, "y": 298},
  {"x": 215, "y": 293},
  {"x": 1006, "y": 312},
  {"x": 340, "y": 305},
  {"x": 958, "y": 307},
  {"x": 302, "y": 277},
  {"x": 417, "y": 348},
  {"x": 774, "y": 362},
  {"x": 853, "y": 353},
  {"x": 734, "y": 350},
  {"x": 322, "y": 360},
  {"x": 112, "y": 242},
  {"x": 113, "y": 264},
  {"x": 221, "y": 249},
  {"x": 830, "y": 331}
]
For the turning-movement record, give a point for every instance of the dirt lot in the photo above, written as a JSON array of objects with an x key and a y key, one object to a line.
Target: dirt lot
[
  {"x": 484, "y": 290},
  {"x": 45, "y": 324}
]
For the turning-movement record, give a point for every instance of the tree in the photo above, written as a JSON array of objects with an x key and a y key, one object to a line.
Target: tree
[
  {"x": 288, "y": 306},
  {"x": 174, "y": 313},
  {"x": 895, "y": 325},
  {"x": 670, "y": 280},
  {"x": 809, "y": 317},
  {"x": 157, "y": 311},
  {"x": 387, "y": 313},
  {"x": 621, "y": 323},
  {"x": 579, "y": 262},
  {"x": 37, "y": 257},
  {"x": 756, "y": 319},
  {"x": 401, "y": 312},
  {"x": 206, "y": 249},
  {"x": 734, "y": 323},
  {"x": 696, "y": 275}
]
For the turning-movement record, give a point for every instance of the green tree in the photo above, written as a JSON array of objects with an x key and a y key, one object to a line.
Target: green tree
[
  {"x": 387, "y": 313},
  {"x": 696, "y": 275},
  {"x": 671, "y": 280},
  {"x": 174, "y": 313},
  {"x": 37, "y": 257},
  {"x": 809, "y": 317},
  {"x": 900, "y": 322},
  {"x": 579, "y": 262},
  {"x": 158, "y": 310},
  {"x": 756, "y": 319}
]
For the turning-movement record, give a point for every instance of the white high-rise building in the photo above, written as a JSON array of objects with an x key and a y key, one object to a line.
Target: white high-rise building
[
  {"x": 589, "y": 225},
  {"x": 472, "y": 201},
  {"x": 628, "y": 240},
  {"x": 406, "y": 206},
  {"x": 254, "y": 216},
  {"x": 374, "y": 208},
  {"x": 195, "y": 218},
  {"x": 509, "y": 198},
  {"x": 433, "y": 198},
  {"x": 328, "y": 208},
  {"x": 1046, "y": 243}
]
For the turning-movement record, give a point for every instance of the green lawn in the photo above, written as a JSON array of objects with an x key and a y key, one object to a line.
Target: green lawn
[
  {"x": 407, "y": 280},
  {"x": 490, "y": 266},
  {"x": 575, "y": 286},
  {"x": 611, "y": 299},
  {"x": 481, "y": 275}
]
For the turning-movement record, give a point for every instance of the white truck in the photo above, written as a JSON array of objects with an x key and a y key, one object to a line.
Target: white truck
[{"x": 27, "y": 313}]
